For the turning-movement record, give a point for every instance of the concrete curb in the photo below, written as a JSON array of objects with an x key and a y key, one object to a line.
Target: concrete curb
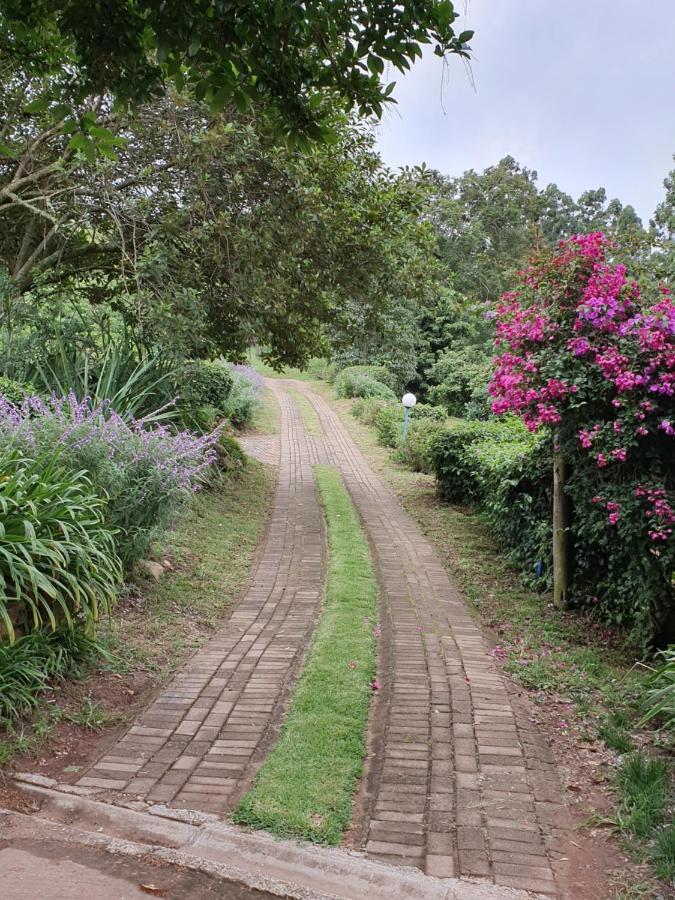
[{"x": 200, "y": 842}]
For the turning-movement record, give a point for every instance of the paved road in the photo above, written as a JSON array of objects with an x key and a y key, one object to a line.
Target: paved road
[{"x": 458, "y": 781}]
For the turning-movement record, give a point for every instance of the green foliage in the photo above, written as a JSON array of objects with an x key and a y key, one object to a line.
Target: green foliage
[
  {"x": 389, "y": 425},
  {"x": 418, "y": 452},
  {"x": 460, "y": 379},
  {"x": 243, "y": 401},
  {"x": 14, "y": 391},
  {"x": 230, "y": 458},
  {"x": 206, "y": 383},
  {"x": 307, "y": 782},
  {"x": 34, "y": 662},
  {"x": 660, "y": 700},
  {"x": 501, "y": 468},
  {"x": 113, "y": 375},
  {"x": 376, "y": 372},
  {"x": 240, "y": 53},
  {"x": 643, "y": 786},
  {"x": 58, "y": 564},
  {"x": 361, "y": 381},
  {"x": 367, "y": 409}
]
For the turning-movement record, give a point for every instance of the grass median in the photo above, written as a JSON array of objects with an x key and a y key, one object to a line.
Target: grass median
[{"x": 306, "y": 785}]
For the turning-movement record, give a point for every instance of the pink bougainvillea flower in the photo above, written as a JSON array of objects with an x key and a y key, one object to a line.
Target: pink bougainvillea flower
[
  {"x": 375, "y": 684},
  {"x": 352, "y": 665}
]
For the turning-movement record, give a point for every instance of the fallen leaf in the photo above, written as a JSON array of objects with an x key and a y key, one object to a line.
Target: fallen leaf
[{"x": 152, "y": 889}]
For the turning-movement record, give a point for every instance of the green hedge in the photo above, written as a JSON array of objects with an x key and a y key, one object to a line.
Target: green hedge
[
  {"x": 365, "y": 381},
  {"x": 501, "y": 468},
  {"x": 206, "y": 384}
]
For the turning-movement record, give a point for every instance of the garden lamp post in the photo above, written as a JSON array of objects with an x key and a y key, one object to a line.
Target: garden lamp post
[{"x": 408, "y": 401}]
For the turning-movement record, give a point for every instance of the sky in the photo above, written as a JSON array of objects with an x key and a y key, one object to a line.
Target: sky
[{"x": 583, "y": 92}]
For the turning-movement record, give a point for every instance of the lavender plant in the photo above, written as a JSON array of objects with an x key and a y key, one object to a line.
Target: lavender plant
[{"x": 145, "y": 471}]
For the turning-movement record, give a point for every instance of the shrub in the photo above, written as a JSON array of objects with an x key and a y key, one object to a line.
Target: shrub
[
  {"x": 245, "y": 395},
  {"x": 144, "y": 472},
  {"x": 365, "y": 381},
  {"x": 58, "y": 564},
  {"x": 206, "y": 383},
  {"x": 367, "y": 409},
  {"x": 418, "y": 450},
  {"x": 230, "y": 458},
  {"x": 515, "y": 489},
  {"x": 427, "y": 411},
  {"x": 460, "y": 379},
  {"x": 28, "y": 666},
  {"x": 389, "y": 425},
  {"x": 14, "y": 391},
  {"x": 581, "y": 349}
]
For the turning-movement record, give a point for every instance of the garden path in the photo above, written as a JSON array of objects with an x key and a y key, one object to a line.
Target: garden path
[
  {"x": 200, "y": 743},
  {"x": 458, "y": 780}
]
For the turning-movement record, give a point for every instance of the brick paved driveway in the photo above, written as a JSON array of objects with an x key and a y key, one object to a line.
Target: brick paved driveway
[{"x": 459, "y": 782}]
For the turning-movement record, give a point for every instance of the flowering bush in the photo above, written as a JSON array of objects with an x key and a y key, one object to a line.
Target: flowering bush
[
  {"x": 581, "y": 350},
  {"x": 144, "y": 472}
]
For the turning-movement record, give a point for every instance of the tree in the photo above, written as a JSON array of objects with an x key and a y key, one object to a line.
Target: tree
[
  {"x": 483, "y": 222},
  {"x": 204, "y": 233},
  {"x": 582, "y": 352},
  {"x": 291, "y": 53}
]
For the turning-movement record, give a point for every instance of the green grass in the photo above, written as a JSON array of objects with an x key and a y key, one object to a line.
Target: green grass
[
  {"x": 644, "y": 812},
  {"x": 306, "y": 785},
  {"x": 308, "y": 414},
  {"x": 266, "y": 415}
]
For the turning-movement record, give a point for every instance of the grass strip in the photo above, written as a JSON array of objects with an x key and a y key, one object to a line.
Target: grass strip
[
  {"x": 308, "y": 414},
  {"x": 306, "y": 785}
]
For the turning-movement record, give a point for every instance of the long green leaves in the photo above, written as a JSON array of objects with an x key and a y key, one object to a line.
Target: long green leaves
[
  {"x": 28, "y": 666},
  {"x": 58, "y": 564},
  {"x": 142, "y": 389},
  {"x": 660, "y": 700}
]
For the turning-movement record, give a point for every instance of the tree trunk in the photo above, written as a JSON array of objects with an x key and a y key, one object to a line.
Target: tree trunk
[{"x": 560, "y": 529}]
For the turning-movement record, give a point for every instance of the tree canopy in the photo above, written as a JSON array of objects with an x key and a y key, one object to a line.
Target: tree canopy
[{"x": 290, "y": 53}]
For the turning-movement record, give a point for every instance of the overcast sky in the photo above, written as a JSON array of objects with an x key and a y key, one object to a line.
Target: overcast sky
[{"x": 582, "y": 91}]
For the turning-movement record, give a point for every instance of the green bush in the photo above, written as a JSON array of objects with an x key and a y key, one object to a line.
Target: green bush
[
  {"x": 58, "y": 563},
  {"x": 418, "y": 451},
  {"x": 365, "y": 381},
  {"x": 427, "y": 411},
  {"x": 230, "y": 457},
  {"x": 389, "y": 425},
  {"x": 14, "y": 391},
  {"x": 206, "y": 384},
  {"x": 244, "y": 397},
  {"x": 367, "y": 409},
  {"x": 460, "y": 379},
  {"x": 34, "y": 661}
]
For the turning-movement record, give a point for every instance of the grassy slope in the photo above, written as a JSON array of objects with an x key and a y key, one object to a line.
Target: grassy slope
[{"x": 306, "y": 785}]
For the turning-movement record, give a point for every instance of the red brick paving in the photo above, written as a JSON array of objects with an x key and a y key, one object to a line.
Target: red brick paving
[
  {"x": 463, "y": 782},
  {"x": 199, "y": 744},
  {"x": 460, "y": 783}
]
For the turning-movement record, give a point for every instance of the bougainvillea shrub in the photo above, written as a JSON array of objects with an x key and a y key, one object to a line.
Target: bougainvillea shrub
[{"x": 581, "y": 352}]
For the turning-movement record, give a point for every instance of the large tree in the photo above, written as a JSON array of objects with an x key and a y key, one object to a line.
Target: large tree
[{"x": 204, "y": 232}]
